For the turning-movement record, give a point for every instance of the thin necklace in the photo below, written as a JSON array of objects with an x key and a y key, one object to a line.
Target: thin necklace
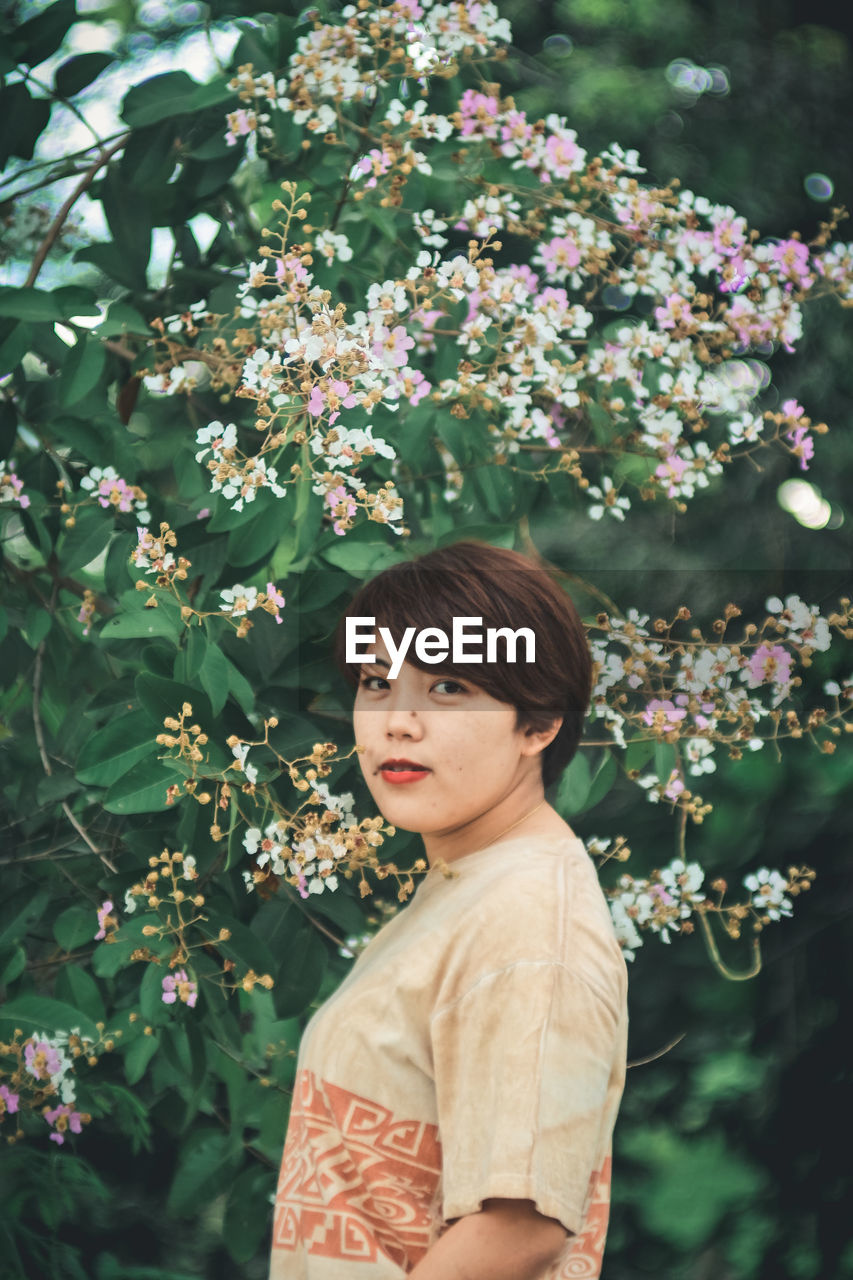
[{"x": 518, "y": 823}]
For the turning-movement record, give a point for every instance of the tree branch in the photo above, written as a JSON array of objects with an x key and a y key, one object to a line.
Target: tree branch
[{"x": 59, "y": 221}]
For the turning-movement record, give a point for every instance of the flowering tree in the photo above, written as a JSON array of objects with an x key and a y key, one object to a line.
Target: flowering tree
[{"x": 453, "y": 321}]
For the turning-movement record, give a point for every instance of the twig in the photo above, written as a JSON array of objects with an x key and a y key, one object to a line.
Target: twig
[
  {"x": 641, "y": 1062},
  {"x": 717, "y": 960},
  {"x": 59, "y": 221},
  {"x": 39, "y": 731}
]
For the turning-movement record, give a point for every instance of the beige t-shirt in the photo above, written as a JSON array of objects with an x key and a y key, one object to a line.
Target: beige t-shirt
[{"x": 476, "y": 1049}]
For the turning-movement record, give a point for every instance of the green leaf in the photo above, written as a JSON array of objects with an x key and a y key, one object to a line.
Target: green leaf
[
  {"x": 36, "y": 626},
  {"x": 142, "y": 790},
  {"x": 82, "y": 369},
  {"x": 300, "y": 972},
  {"x": 362, "y": 558},
  {"x": 206, "y": 1167},
  {"x": 129, "y": 221},
  {"x": 213, "y": 676},
  {"x": 29, "y": 303},
  {"x": 247, "y": 1212},
  {"x": 665, "y": 760},
  {"x": 74, "y": 985},
  {"x": 151, "y": 1004},
  {"x": 42, "y": 35},
  {"x": 138, "y": 1056},
  {"x": 119, "y": 318},
  {"x": 24, "y": 119},
  {"x": 42, "y": 1013},
  {"x": 19, "y": 912},
  {"x": 12, "y": 351},
  {"x": 162, "y": 698},
  {"x": 639, "y": 753},
  {"x": 85, "y": 542},
  {"x": 244, "y": 946},
  {"x": 603, "y": 779},
  {"x": 75, "y": 926},
  {"x": 13, "y": 962},
  {"x": 574, "y": 788},
  {"x": 74, "y": 300},
  {"x": 143, "y": 624},
  {"x": 80, "y": 71},
  {"x": 170, "y": 94},
  {"x": 253, "y": 541}
]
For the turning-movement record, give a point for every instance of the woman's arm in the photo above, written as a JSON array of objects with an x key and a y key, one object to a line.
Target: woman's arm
[{"x": 506, "y": 1240}]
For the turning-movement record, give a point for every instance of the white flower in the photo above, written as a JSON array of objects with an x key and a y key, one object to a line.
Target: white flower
[
  {"x": 768, "y": 889},
  {"x": 616, "y": 507},
  {"x": 238, "y": 600},
  {"x": 240, "y": 751}
]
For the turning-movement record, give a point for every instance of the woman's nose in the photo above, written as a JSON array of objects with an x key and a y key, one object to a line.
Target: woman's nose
[{"x": 403, "y": 722}]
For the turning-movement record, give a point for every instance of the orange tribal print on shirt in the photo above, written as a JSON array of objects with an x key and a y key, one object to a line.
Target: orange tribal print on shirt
[{"x": 476, "y": 1050}]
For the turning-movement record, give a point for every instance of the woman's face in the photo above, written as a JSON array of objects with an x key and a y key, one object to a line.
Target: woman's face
[{"x": 439, "y": 751}]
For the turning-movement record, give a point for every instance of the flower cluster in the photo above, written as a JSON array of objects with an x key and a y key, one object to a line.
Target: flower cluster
[
  {"x": 107, "y": 486},
  {"x": 11, "y": 486},
  {"x": 178, "y": 986},
  {"x": 666, "y": 902},
  {"x": 37, "y": 1077},
  {"x": 697, "y": 694},
  {"x": 237, "y": 601},
  {"x": 535, "y": 369}
]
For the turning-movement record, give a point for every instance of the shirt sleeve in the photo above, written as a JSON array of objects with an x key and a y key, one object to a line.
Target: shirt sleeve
[{"x": 529, "y": 1067}]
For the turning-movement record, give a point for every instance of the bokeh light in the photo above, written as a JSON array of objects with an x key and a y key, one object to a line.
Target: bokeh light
[
  {"x": 819, "y": 186},
  {"x": 805, "y": 503},
  {"x": 558, "y": 44},
  {"x": 615, "y": 298}
]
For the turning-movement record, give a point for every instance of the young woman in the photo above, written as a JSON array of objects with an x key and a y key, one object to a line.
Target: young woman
[{"x": 455, "y": 1098}]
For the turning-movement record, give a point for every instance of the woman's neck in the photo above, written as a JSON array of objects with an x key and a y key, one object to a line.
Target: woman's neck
[{"x": 516, "y": 817}]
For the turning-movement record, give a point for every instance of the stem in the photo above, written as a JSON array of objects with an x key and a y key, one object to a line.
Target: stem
[
  {"x": 28, "y": 75},
  {"x": 717, "y": 959},
  {"x": 42, "y": 749},
  {"x": 59, "y": 221},
  {"x": 641, "y": 1062}
]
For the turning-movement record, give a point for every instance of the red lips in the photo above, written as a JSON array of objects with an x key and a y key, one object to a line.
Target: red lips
[{"x": 401, "y": 771}]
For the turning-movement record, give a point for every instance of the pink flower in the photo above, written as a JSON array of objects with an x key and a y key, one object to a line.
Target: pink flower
[
  {"x": 770, "y": 664},
  {"x": 104, "y": 920},
  {"x": 392, "y": 345},
  {"x": 416, "y": 386},
  {"x": 63, "y": 1118},
  {"x": 562, "y": 156},
  {"x": 316, "y": 402},
  {"x": 560, "y": 253},
  {"x": 792, "y": 410},
  {"x": 342, "y": 506},
  {"x": 8, "y": 1101},
  {"x": 802, "y": 445},
  {"x": 177, "y": 986},
  {"x": 663, "y": 716},
  {"x": 516, "y": 133},
  {"x": 42, "y": 1060},
  {"x": 671, "y": 470},
  {"x": 676, "y": 311},
  {"x": 479, "y": 113},
  {"x": 275, "y": 596}
]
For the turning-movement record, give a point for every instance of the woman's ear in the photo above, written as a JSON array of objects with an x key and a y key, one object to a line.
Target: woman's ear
[{"x": 536, "y": 740}]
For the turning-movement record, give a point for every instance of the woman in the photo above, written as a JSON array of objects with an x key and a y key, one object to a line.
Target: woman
[{"x": 455, "y": 1098}]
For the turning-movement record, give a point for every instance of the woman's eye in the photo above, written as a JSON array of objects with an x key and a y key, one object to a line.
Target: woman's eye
[
  {"x": 449, "y": 686},
  {"x": 373, "y": 683}
]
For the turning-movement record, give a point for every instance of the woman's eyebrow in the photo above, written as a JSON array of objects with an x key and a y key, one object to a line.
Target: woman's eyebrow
[{"x": 377, "y": 662}]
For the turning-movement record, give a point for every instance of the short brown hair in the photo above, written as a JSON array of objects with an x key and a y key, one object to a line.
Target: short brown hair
[{"x": 505, "y": 589}]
